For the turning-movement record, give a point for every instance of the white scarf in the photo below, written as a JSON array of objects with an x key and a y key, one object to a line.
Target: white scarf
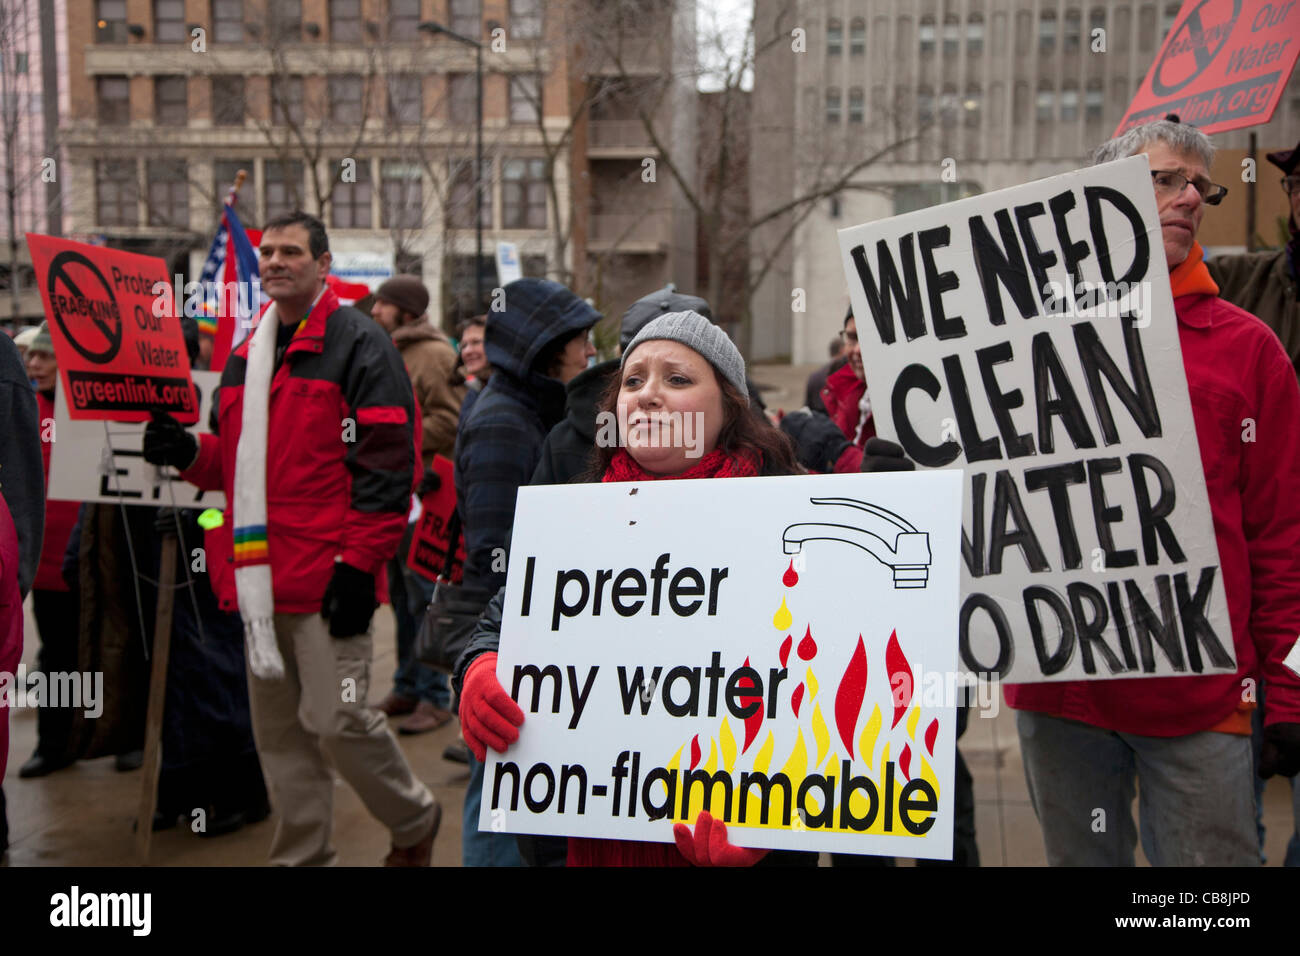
[
  {"x": 864, "y": 412},
  {"x": 252, "y": 554}
]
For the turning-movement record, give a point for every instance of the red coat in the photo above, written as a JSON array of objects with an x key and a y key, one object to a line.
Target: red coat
[
  {"x": 342, "y": 451},
  {"x": 60, "y": 516},
  {"x": 1236, "y": 370},
  {"x": 843, "y": 392}
]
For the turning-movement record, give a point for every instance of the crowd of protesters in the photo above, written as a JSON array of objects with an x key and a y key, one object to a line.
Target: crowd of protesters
[{"x": 316, "y": 531}]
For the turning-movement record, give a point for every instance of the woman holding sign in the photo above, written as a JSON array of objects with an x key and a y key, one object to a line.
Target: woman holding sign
[{"x": 682, "y": 411}]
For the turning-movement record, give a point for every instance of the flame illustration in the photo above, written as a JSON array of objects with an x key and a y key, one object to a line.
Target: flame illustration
[
  {"x": 763, "y": 759},
  {"x": 927, "y": 774},
  {"x": 811, "y": 680},
  {"x": 849, "y": 696},
  {"x": 905, "y": 761},
  {"x": 832, "y": 765},
  {"x": 796, "y": 699},
  {"x": 728, "y": 746},
  {"x": 884, "y": 758},
  {"x": 912, "y": 718},
  {"x": 712, "y": 763},
  {"x": 930, "y": 733},
  {"x": 785, "y": 649},
  {"x": 695, "y": 751},
  {"x": 782, "y": 619},
  {"x": 807, "y": 647},
  {"x": 900, "y": 677},
  {"x": 755, "y": 720},
  {"x": 820, "y": 734},
  {"x": 867, "y": 742},
  {"x": 791, "y": 576}
]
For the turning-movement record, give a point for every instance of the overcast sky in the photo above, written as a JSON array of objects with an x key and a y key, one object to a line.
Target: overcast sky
[{"x": 721, "y": 25}]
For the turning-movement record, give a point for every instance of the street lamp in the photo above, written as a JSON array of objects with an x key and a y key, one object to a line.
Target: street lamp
[{"x": 429, "y": 26}]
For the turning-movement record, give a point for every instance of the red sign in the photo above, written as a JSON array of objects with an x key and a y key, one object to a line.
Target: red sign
[
  {"x": 432, "y": 535},
  {"x": 118, "y": 359},
  {"x": 1222, "y": 67}
]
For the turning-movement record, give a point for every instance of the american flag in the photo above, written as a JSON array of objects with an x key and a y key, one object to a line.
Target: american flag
[{"x": 230, "y": 307}]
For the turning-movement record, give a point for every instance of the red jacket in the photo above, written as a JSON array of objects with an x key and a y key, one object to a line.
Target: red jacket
[
  {"x": 1236, "y": 370},
  {"x": 843, "y": 392},
  {"x": 341, "y": 457},
  {"x": 60, "y": 516}
]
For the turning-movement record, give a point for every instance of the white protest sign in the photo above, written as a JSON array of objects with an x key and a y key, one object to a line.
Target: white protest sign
[
  {"x": 104, "y": 461},
  {"x": 782, "y": 644},
  {"x": 1029, "y": 336},
  {"x": 508, "y": 265}
]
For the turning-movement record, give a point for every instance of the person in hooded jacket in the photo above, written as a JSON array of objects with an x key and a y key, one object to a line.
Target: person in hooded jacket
[{"x": 536, "y": 345}]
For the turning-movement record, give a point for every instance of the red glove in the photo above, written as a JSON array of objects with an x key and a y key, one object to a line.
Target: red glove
[
  {"x": 708, "y": 845},
  {"x": 488, "y": 715}
]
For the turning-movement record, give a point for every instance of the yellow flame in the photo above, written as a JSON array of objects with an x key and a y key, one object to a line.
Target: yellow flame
[
  {"x": 820, "y": 734},
  {"x": 712, "y": 765},
  {"x": 884, "y": 758},
  {"x": 811, "y": 681},
  {"x": 796, "y": 768},
  {"x": 676, "y": 762},
  {"x": 912, "y": 718},
  {"x": 831, "y": 765},
  {"x": 764, "y": 757},
  {"x": 867, "y": 742},
  {"x": 928, "y": 775},
  {"x": 782, "y": 619},
  {"x": 728, "y": 745}
]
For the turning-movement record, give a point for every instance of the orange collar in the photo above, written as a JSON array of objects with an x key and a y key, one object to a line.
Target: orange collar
[{"x": 1191, "y": 277}]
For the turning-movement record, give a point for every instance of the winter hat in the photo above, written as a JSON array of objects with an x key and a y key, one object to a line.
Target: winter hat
[
  {"x": 24, "y": 338},
  {"x": 1285, "y": 159},
  {"x": 657, "y": 303},
  {"x": 696, "y": 332},
  {"x": 406, "y": 292},
  {"x": 42, "y": 342}
]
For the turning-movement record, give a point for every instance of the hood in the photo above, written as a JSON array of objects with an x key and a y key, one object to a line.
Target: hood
[
  {"x": 418, "y": 332},
  {"x": 537, "y": 312},
  {"x": 582, "y": 396}
]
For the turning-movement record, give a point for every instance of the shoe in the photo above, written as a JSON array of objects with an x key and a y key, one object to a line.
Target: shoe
[
  {"x": 131, "y": 760},
  {"x": 457, "y": 752},
  {"x": 220, "y": 823},
  {"x": 426, "y": 717},
  {"x": 421, "y": 853},
  {"x": 396, "y": 705},
  {"x": 39, "y": 765}
]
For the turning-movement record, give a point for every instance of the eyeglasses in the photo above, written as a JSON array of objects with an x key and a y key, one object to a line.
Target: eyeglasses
[
  {"x": 1170, "y": 182},
  {"x": 1290, "y": 184},
  {"x": 849, "y": 338}
]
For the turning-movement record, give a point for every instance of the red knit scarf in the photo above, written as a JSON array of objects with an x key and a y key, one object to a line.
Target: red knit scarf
[{"x": 716, "y": 464}]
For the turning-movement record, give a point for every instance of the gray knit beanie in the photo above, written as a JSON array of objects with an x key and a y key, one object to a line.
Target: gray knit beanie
[{"x": 698, "y": 333}]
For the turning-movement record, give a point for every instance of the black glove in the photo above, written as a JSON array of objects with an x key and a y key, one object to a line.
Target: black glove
[
  {"x": 818, "y": 441},
  {"x": 1281, "y": 751},
  {"x": 882, "y": 455},
  {"x": 349, "y": 601},
  {"x": 166, "y": 442},
  {"x": 431, "y": 482}
]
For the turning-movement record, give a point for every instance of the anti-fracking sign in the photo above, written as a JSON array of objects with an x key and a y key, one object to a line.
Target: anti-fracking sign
[
  {"x": 432, "y": 536},
  {"x": 118, "y": 357},
  {"x": 1029, "y": 336},
  {"x": 1223, "y": 65},
  {"x": 778, "y": 651}
]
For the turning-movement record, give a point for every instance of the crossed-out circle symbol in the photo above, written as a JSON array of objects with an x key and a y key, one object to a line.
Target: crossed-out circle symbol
[
  {"x": 1194, "y": 28},
  {"x": 111, "y": 328}
]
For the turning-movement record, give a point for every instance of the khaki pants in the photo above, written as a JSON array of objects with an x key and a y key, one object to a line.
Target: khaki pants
[{"x": 318, "y": 709}]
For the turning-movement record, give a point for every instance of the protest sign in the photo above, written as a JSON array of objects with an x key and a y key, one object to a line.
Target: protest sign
[
  {"x": 774, "y": 650},
  {"x": 1029, "y": 336},
  {"x": 1223, "y": 65},
  {"x": 120, "y": 356},
  {"x": 104, "y": 461},
  {"x": 508, "y": 266},
  {"x": 432, "y": 537}
]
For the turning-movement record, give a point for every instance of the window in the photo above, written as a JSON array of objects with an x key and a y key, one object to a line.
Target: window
[
  {"x": 462, "y": 99},
  {"x": 113, "y": 94},
  {"x": 169, "y": 21},
  {"x": 880, "y": 39},
  {"x": 1118, "y": 39},
  {"x": 224, "y": 172},
  {"x": 345, "y": 98},
  {"x": 170, "y": 104},
  {"x": 403, "y": 21},
  {"x": 467, "y": 18},
  {"x": 169, "y": 193},
  {"x": 913, "y": 196},
  {"x": 284, "y": 21},
  {"x": 283, "y": 187},
  {"x": 228, "y": 21},
  {"x": 858, "y": 37},
  {"x": 1024, "y": 32},
  {"x": 999, "y": 33},
  {"x": 925, "y": 35},
  {"x": 834, "y": 38},
  {"x": 110, "y": 21},
  {"x": 286, "y": 99},
  {"x": 1045, "y": 104},
  {"x": 116, "y": 193},
  {"x": 973, "y": 105},
  {"x": 949, "y": 106},
  {"x": 1167, "y": 19},
  {"x": 951, "y": 35},
  {"x": 1020, "y": 102},
  {"x": 523, "y": 194},
  {"x": 833, "y": 106},
  {"x": 1096, "y": 20},
  {"x": 1069, "y": 102},
  {"x": 405, "y": 100},
  {"x": 856, "y": 105},
  {"x": 345, "y": 21},
  {"x": 401, "y": 195},
  {"x": 924, "y": 106},
  {"x": 227, "y": 101},
  {"x": 975, "y": 35},
  {"x": 1119, "y": 94},
  {"x": 460, "y": 201},
  {"x": 20, "y": 66},
  {"x": 1073, "y": 31},
  {"x": 1094, "y": 101},
  {"x": 350, "y": 202},
  {"x": 1047, "y": 32},
  {"x": 525, "y": 19},
  {"x": 525, "y": 98}
]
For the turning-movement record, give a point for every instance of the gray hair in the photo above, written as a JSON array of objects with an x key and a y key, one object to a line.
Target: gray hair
[{"x": 1177, "y": 136}]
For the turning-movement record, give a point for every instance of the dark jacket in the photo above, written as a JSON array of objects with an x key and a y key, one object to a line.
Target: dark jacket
[
  {"x": 431, "y": 362},
  {"x": 22, "y": 477},
  {"x": 566, "y": 453},
  {"x": 817, "y": 381},
  {"x": 500, "y": 442},
  {"x": 1264, "y": 284}
]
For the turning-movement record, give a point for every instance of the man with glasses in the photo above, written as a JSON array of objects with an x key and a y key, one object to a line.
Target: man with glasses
[{"x": 1268, "y": 283}]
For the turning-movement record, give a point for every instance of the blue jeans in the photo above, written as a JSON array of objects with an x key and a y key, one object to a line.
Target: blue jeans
[
  {"x": 410, "y": 593},
  {"x": 483, "y": 847},
  {"x": 1196, "y": 804}
]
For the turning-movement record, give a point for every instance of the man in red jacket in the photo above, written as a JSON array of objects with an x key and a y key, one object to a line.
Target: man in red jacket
[
  {"x": 1187, "y": 739},
  {"x": 341, "y": 451}
]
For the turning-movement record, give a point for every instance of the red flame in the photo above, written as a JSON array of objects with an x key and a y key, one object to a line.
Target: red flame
[
  {"x": 931, "y": 733},
  {"x": 754, "y": 720},
  {"x": 905, "y": 761},
  {"x": 900, "y": 677},
  {"x": 785, "y": 649},
  {"x": 797, "y": 699},
  {"x": 848, "y": 699},
  {"x": 695, "y": 751},
  {"x": 807, "y": 647},
  {"x": 791, "y": 576}
]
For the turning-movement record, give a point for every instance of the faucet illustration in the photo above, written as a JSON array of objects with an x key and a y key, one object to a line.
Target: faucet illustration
[{"x": 894, "y": 542}]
